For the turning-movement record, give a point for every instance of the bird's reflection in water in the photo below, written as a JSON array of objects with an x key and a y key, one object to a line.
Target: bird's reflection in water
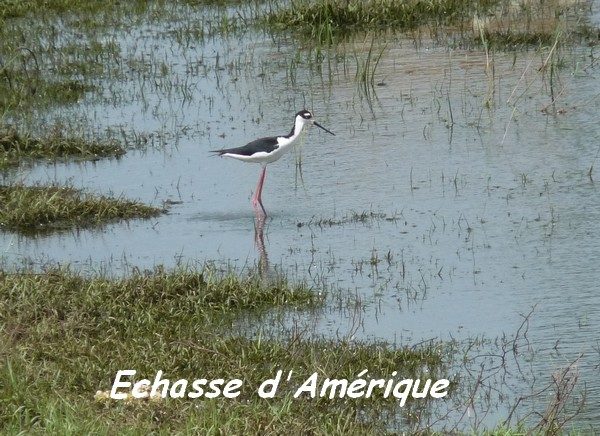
[{"x": 259, "y": 239}]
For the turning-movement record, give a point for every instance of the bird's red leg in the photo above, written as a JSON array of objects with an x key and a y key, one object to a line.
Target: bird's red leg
[
  {"x": 257, "y": 199},
  {"x": 262, "y": 179}
]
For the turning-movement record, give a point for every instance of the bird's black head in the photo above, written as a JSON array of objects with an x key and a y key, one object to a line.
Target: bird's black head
[
  {"x": 305, "y": 114},
  {"x": 309, "y": 119}
]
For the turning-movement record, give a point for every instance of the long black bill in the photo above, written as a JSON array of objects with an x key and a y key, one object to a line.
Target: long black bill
[{"x": 320, "y": 126}]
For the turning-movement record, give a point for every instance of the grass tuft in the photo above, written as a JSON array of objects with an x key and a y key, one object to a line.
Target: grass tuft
[
  {"x": 16, "y": 146},
  {"x": 39, "y": 209},
  {"x": 347, "y": 16}
]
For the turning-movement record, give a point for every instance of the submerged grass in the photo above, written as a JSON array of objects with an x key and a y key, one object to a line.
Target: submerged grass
[
  {"x": 364, "y": 217},
  {"x": 27, "y": 79},
  {"x": 16, "y": 147},
  {"x": 39, "y": 209},
  {"x": 19, "y": 90},
  {"x": 65, "y": 336}
]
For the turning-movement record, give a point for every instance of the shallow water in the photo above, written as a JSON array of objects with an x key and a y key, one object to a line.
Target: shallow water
[{"x": 449, "y": 219}]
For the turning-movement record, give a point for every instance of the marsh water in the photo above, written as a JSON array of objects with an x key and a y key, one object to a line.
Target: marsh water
[{"x": 454, "y": 203}]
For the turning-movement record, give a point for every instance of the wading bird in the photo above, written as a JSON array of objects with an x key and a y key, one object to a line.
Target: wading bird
[{"x": 269, "y": 149}]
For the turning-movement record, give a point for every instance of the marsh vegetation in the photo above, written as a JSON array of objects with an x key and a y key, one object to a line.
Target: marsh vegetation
[
  {"x": 17, "y": 148},
  {"x": 125, "y": 98},
  {"x": 179, "y": 322},
  {"x": 43, "y": 209}
]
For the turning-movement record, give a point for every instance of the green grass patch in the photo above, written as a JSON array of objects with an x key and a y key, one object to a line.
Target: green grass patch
[
  {"x": 16, "y": 147},
  {"x": 346, "y": 16},
  {"x": 507, "y": 25},
  {"x": 23, "y": 8},
  {"x": 64, "y": 336},
  {"x": 69, "y": 91},
  {"x": 39, "y": 209}
]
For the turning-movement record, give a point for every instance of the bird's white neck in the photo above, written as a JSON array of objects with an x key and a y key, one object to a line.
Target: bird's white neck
[
  {"x": 299, "y": 124},
  {"x": 286, "y": 142}
]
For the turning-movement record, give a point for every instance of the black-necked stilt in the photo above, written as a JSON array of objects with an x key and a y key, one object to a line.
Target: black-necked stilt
[{"x": 269, "y": 149}]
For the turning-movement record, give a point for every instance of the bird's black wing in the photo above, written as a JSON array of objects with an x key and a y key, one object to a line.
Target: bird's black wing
[{"x": 265, "y": 145}]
